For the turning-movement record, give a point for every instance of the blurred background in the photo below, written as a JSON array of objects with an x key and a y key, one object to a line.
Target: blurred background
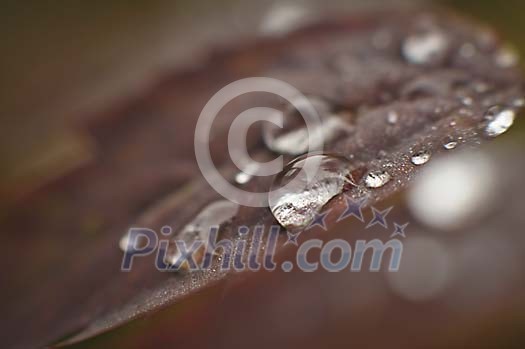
[{"x": 65, "y": 64}]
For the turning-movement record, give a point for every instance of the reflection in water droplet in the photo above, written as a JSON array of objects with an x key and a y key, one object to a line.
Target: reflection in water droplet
[
  {"x": 213, "y": 215},
  {"x": 296, "y": 142},
  {"x": 450, "y": 145},
  {"x": 305, "y": 185},
  {"x": 499, "y": 120},
  {"x": 377, "y": 179},
  {"x": 420, "y": 158},
  {"x": 423, "y": 48}
]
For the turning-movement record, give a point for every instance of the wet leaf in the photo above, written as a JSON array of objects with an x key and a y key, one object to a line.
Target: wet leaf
[{"x": 401, "y": 81}]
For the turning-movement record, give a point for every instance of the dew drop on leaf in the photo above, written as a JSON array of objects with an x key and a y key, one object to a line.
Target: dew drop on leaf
[
  {"x": 377, "y": 179},
  {"x": 420, "y": 157},
  {"x": 499, "y": 120},
  {"x": 305, "y": 185}
]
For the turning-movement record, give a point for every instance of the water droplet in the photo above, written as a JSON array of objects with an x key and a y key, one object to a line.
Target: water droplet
[
  {"x": 213, "y": 215},
  {"x": 305, "y": 185},
  {"x": 424, "y": 48},
  {"x": 296, "y": 142},
  {"x": 467, "y": 101},
  {"x": 506, "y": 58},
  {"x": 246, "y": 174},
  {"x": 420, "y": 157},
  {"x": 450, "y": 145},
  {"x": 499, "y": 120},
  {"x": 377, "y": 179},
  {"x": 392, "y": 117}
]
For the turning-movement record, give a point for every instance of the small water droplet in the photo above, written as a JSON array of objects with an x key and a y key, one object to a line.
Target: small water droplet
[
  {"x": 499, "y": 120},
  {"x": 305, "y": 185},
  {"x": 423, "y": 48},
  {"x": 450, "y": 145},
  {"x": 420, "y": 157},
  {"x": 467, "y": 101},
  {"x": 392, "y": 117},
  {"x": 377, "y": 179},
  {"x": 506, "y": 58},
  {"x": 246, "y": 174},
  {"x": 212, "y": 215}
]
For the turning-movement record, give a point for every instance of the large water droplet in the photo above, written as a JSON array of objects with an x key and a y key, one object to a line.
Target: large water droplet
[
  {"x": 499, "y": 120},
  {"x": 420, "y": 157},
  {"x": 306, "y": 184},
  {"x": 424, "y": 48},
  {"x": 213, "y": 215},
  {"x": 377, "y": 179}
]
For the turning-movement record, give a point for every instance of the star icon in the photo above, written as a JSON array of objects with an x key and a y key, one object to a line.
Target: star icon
[
  {"x": 379, "y": 217},
  {"x": 319, "y": 220},
  {"x": 399, "y": 230},
  {"x": 292, "y": 238},
  {"x": 353, "y": 208}
]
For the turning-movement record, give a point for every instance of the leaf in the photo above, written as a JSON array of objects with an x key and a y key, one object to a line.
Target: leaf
[{"x": 358, "y": 64}]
